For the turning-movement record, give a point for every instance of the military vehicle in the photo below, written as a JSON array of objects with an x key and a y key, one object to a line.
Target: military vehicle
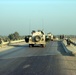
[
  {"x": 50, "y": 36},
  {"x": 36, "y": 38}
]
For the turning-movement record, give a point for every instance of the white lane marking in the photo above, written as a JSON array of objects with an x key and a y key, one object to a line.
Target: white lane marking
[{"x": 26, "y": 66}]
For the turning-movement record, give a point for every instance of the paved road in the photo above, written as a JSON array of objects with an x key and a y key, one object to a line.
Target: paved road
[{"x": 51, "y": 60}]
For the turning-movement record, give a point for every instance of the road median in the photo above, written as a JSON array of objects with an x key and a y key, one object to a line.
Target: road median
[{"x": 71, "y": 49}]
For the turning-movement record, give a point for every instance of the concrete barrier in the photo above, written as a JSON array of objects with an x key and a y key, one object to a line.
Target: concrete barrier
[
  {"x": 11, "y": 42},
  {"x": 69, "y": 48},
  {"x": 5, "y": 43},
  {"x": 73, "y": 42},
  {"x": 17, "y": 41}
]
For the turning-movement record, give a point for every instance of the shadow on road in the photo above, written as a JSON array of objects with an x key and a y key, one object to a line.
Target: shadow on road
[{"x": 62, "y": 51}]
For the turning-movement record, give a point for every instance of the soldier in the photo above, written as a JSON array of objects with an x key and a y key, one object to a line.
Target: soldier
[{"x": 68, "y": 41}]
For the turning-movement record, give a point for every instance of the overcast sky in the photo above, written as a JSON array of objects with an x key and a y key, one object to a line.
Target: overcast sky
[{"x": 23, "y": 16}]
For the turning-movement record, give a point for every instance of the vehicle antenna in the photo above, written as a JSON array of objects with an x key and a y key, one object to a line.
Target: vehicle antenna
[
  {"x": 42, "y": 25},
  {"x": 29, "y": 26}
]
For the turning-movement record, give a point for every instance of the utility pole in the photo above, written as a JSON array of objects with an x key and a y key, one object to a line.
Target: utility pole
[{"x": 42, "y": 25}]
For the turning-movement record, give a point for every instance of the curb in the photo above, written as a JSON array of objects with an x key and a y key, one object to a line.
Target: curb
[{"x": 66, "y": 50}]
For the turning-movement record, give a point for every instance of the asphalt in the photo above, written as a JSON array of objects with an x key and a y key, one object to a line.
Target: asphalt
[{"x": 51, "y": 60}]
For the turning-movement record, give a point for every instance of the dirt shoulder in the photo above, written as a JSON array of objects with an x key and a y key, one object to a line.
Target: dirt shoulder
[{"x": 7, "y": 47}]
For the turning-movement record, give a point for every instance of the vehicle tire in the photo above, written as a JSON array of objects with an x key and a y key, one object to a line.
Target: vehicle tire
[
  {"x": 42, "y": 45},
  {"x": 26, "y": 39},
  {"x": 37, "y": 38},
  {"x": 30, "y": 45}
]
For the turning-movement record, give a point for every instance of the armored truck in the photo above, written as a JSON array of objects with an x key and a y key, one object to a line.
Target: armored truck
[{"x": 36, "y": 38}]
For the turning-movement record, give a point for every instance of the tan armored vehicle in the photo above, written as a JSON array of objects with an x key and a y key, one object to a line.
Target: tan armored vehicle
[
  {"x": 36, "y": 38},
  {"x": 50, "y": 36}
]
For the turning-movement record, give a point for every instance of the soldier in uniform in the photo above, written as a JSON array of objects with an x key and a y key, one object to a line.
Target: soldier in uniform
[{"x": 68, "y": 41}]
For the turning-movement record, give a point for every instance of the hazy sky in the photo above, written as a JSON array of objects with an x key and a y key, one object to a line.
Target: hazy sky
[{"x": 23, "y": 16}]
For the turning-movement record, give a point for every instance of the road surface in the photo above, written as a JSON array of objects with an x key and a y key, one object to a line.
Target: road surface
[{"x": 51, "y": 60}]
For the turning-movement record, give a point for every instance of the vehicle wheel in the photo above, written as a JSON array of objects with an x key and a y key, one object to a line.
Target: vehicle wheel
[
  {"x": 42, "y": 45},
  {"x": 30, "y": 45},
  {"x": 26, "y": 39}
]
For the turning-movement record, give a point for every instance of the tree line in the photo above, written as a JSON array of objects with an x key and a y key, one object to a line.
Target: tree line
[{"x": 13, "y": 36}]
